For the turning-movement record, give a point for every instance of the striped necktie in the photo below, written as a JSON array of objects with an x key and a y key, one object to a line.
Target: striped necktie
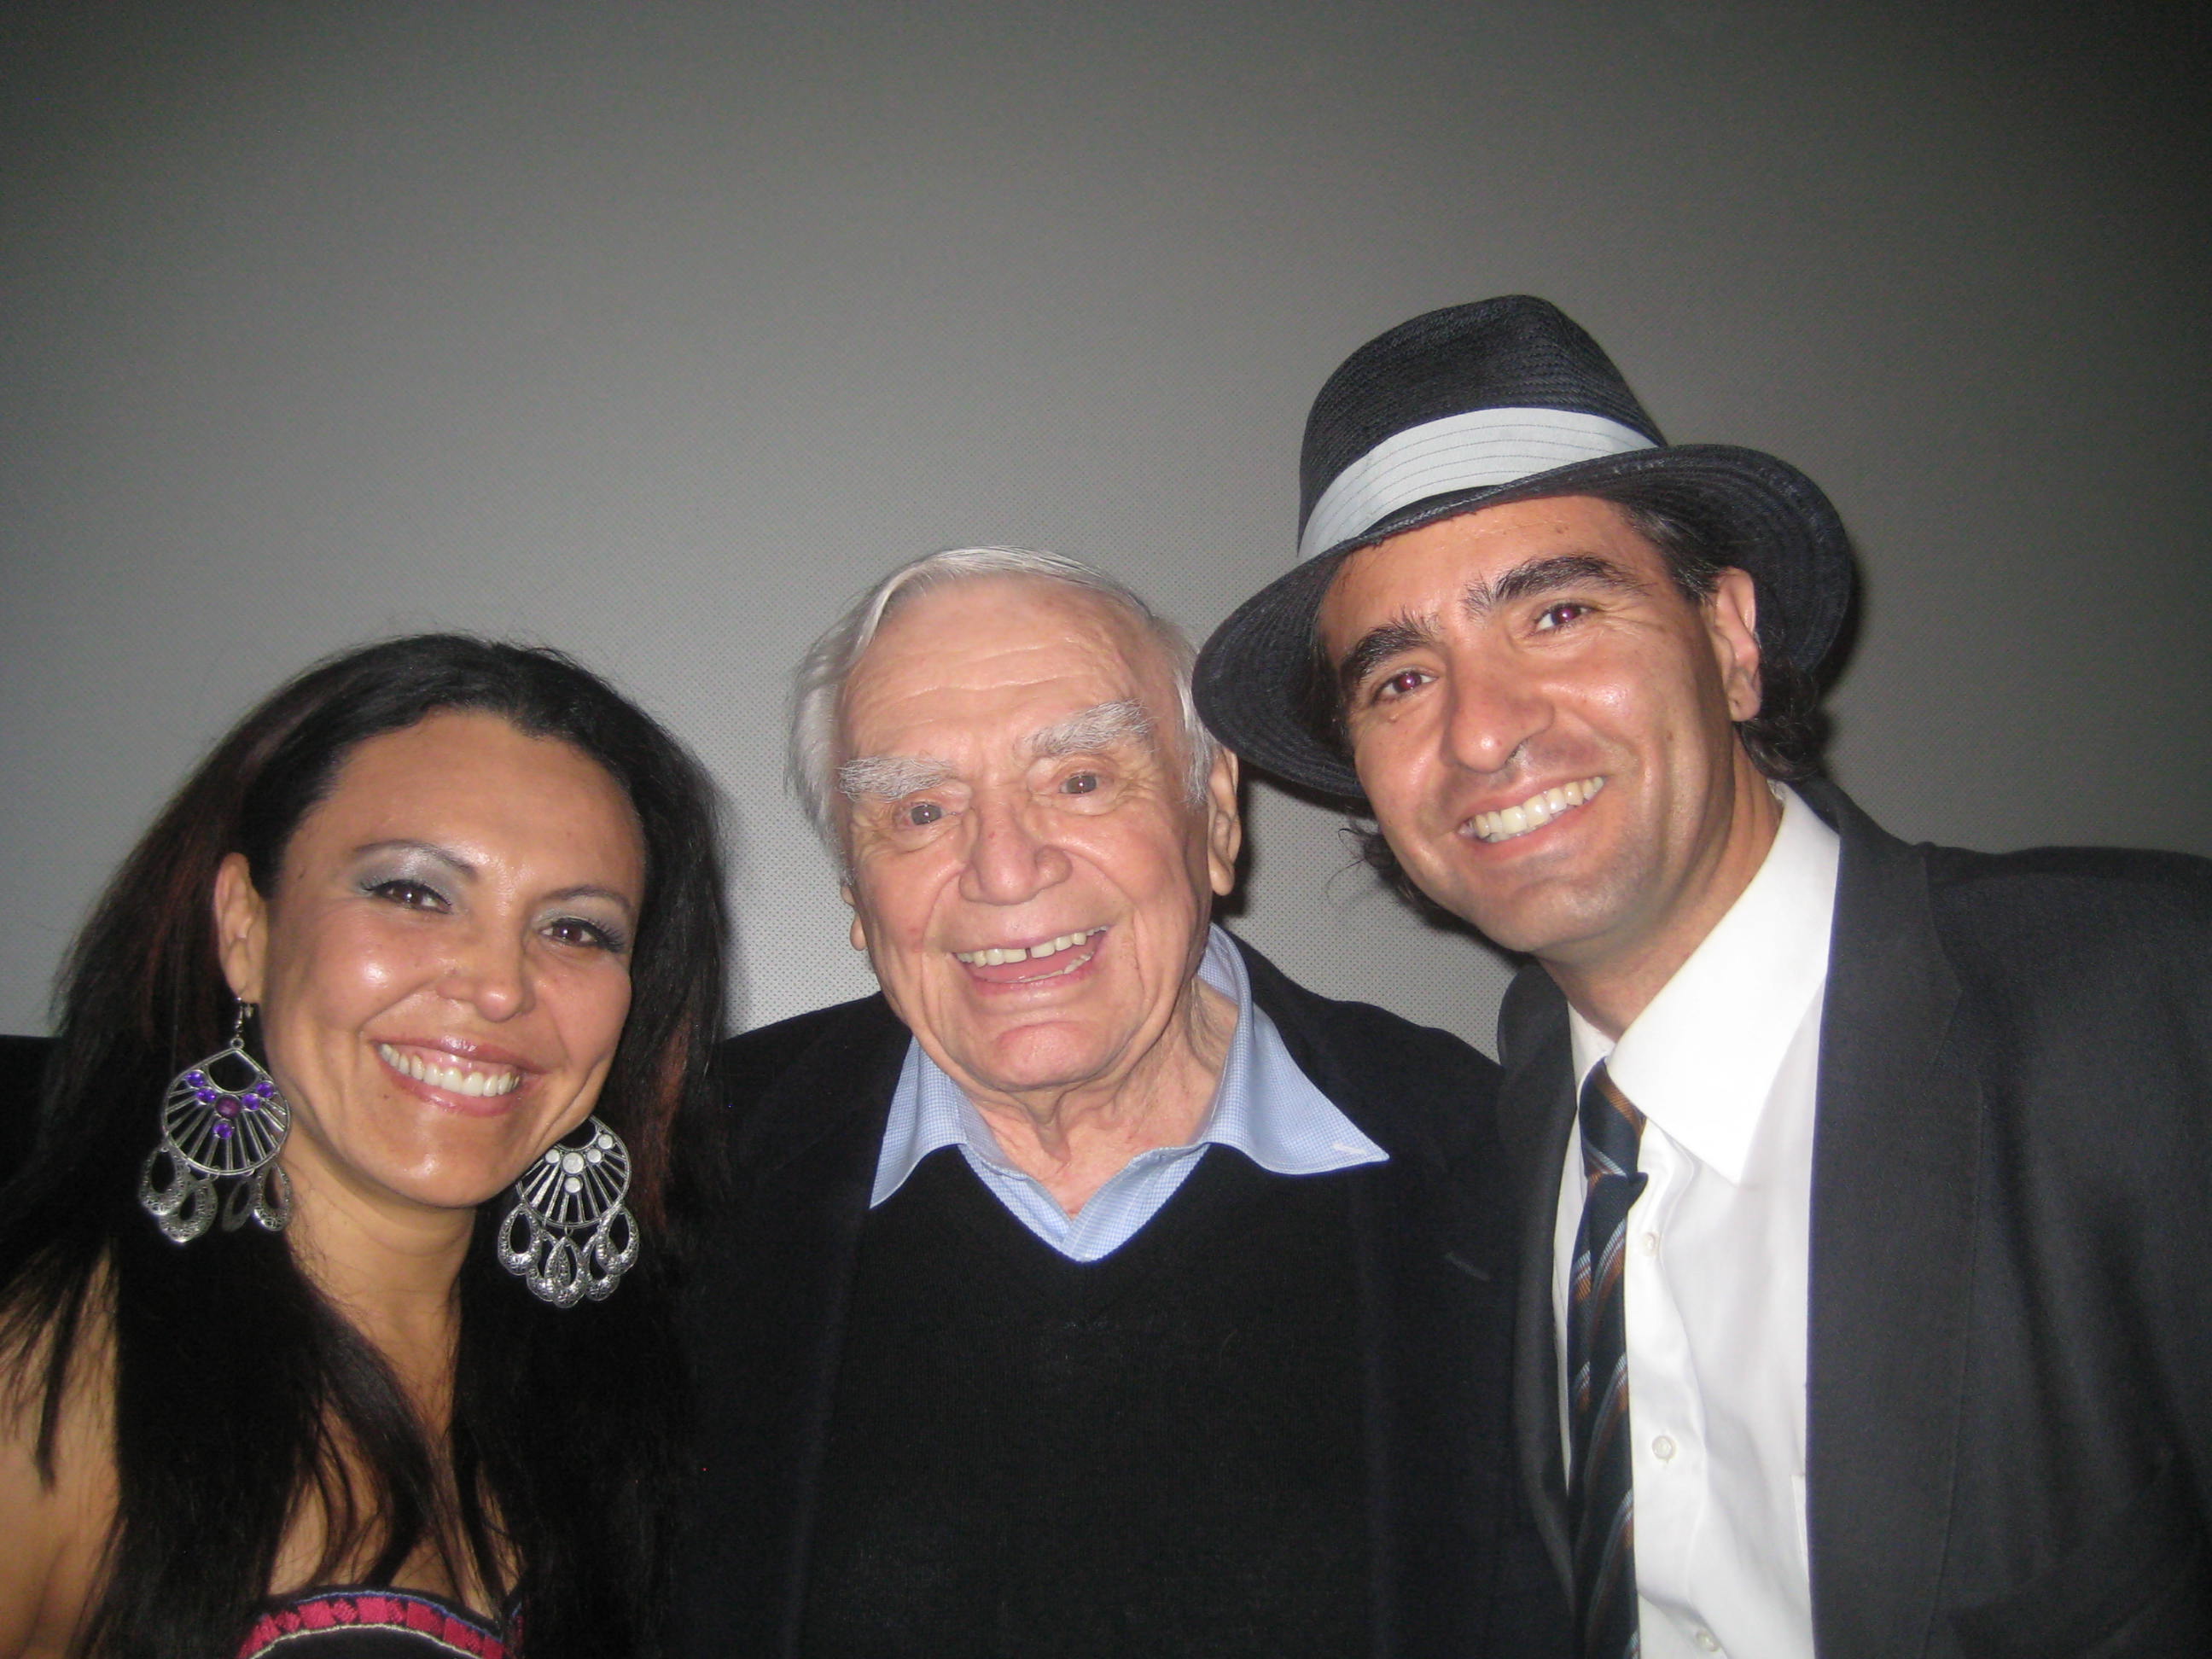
[{"x": 1601, "y": 1493}]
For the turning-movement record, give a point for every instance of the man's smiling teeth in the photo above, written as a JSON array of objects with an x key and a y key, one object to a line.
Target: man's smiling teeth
[
  {"x": 459, "y": 1079},
  {"x": 995, "y": 956},
  {"x": 1534, "y": 813}
]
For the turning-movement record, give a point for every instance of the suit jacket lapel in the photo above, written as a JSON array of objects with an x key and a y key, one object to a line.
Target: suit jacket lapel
[
  {"x": 768, "y": 1324},
  {"x": 1536, "y": 1113},
  {"x": 1895, "y": 1148}
]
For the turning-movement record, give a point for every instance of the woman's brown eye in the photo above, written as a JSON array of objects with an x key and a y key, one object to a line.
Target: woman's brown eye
[
  {"x": 411, "y": 895},
  {"x": 1080, "y": 783},
  {"x": 923, "y": 813},
  {"x": 575, "y": 930}
]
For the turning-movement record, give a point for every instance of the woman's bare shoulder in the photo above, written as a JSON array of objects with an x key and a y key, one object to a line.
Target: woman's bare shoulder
[{"x": 55, "y": 1514}]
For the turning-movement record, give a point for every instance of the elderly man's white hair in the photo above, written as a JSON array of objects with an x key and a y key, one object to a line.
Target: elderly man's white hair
[{"x": 818, "y": 686}]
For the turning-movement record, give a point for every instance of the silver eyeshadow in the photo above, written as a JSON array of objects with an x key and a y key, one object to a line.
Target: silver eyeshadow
[{"x": 445, "y": 873}]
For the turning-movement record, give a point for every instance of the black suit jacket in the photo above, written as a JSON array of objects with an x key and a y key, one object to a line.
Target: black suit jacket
[
  {"x": 1459, "y": 1571},
  {"x": 2009, "y": 1375}
]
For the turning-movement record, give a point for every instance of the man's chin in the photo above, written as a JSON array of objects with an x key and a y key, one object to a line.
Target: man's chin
[
  {"x": 1034, "y": 1061},
  {"x": 1530, "y": 924}
]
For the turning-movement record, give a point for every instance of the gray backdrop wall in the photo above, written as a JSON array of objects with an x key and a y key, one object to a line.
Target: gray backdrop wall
[{"x": 656, "y": 330}]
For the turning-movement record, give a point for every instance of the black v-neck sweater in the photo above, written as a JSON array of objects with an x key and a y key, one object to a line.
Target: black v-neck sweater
[{"x": 1159, "y": 1453}]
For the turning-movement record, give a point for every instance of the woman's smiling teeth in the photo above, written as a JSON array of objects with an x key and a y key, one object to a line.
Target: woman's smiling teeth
[
  {"x": 454, "y": 1076},
  {"x": 1534, "y": 813}
]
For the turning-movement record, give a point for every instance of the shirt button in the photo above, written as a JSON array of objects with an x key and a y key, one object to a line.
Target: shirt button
[
  {"x": 1709, "y": 1641},
  {"x": 1651, "y": 1244},
  {"x": 1663, "y": 1448}
]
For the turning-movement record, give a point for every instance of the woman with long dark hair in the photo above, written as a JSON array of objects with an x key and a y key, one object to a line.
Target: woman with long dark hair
[{"x": 334, "y": 1290}]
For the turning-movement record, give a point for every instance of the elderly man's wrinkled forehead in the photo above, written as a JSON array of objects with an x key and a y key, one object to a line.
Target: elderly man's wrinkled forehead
[{"x": 970, "y": 647}]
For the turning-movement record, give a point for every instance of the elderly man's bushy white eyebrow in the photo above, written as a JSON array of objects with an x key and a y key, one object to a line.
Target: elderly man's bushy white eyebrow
[
  {"x": 890, "y": 777},
  {"x": 1092, "y": 731},
  {"x": 1087, "y": 731}
]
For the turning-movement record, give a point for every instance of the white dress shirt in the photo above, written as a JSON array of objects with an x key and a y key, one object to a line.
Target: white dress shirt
[{"x": 1722, "y": 1064}]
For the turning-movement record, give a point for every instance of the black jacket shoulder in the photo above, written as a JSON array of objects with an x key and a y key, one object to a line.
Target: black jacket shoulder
[
  {"x": 2072, "y": 900},
  {"x": 745, "y": 1063},
  {"x": 1420, "y": 1050},
  {"x": 825, "y": 1050},
  {"x": 1411, "y": 1084},
  {"x": 2061, "y": 949}
]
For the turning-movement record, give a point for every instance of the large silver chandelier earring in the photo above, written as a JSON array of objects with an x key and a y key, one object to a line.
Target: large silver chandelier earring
[
  {"x": 569, "y": 1235},
  {"x": 223, "y": 1120}
]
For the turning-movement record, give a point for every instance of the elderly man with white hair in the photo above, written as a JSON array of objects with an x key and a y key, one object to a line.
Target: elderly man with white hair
[{"x": 1092, "y": 1289}]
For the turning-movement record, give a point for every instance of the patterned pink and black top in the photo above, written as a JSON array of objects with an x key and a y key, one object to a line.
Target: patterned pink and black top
[{"x": 371, "y": 1624}]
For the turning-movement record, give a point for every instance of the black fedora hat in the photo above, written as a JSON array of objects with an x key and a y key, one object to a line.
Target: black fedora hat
[{"x": 1459, "y": 409}]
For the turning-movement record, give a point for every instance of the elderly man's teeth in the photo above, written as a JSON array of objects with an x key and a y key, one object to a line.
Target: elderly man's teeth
[
  {"x": 997, "y": 955},
  {"x": 455, "y": 1079},
  {"x": 1534, "y": 813}
]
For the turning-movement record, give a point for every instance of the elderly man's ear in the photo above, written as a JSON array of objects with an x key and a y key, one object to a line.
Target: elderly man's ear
[
  {"x": 1224, "y": 826},
  {"x": 859, "y": 934}
]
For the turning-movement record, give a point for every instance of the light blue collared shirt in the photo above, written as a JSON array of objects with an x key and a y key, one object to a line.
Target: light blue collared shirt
[{"x": 1264, "y": 1106}]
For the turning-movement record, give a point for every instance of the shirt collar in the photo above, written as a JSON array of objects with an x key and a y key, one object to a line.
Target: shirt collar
[
  {"x": 1263, "y": 1105},
  {"x": 1701, "y": 1058}
]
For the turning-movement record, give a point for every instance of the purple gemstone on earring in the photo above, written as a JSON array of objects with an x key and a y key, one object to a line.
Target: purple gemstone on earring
[
  {"x": 223, "y": 1131},
  {"x": 227, "y": 1107},
  {"x": 197, "y": 1078},
  {"x": 206, "y": 1097}
]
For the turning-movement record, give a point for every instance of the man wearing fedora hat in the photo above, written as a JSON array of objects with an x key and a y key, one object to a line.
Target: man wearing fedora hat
[{"x": 1865, "y": 1304}]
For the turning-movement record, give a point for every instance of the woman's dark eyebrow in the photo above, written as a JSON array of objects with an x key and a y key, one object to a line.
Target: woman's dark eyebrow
[{"x": 622, "y": 902}]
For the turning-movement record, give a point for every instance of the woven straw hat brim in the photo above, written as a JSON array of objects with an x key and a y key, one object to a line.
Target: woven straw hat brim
[{"x": 1251, "y": 679}]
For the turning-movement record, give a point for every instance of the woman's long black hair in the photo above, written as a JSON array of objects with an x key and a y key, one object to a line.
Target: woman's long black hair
[{"x": 237, "y": 1389}]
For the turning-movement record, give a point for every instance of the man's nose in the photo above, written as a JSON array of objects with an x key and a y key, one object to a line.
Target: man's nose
[
  {"x": 1010, "y": 860},
  {"x": 489, "y": 971},
  {"x": 1495, "y": 707}
]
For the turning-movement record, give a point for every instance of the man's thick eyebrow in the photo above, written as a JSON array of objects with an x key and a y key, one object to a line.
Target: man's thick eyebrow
[
  {"x": 1408, "y": 632},
  {"x": 1086, "y": 731},
  {"x": 890, "y": 777},
  {"x": 1093, "y": 730},
  {"x": 1541, "y": 576},
  {"x": 1378, "y": 645}
]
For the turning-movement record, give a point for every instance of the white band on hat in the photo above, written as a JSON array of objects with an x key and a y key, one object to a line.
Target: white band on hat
[{"x": 1482, "y": 447}]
